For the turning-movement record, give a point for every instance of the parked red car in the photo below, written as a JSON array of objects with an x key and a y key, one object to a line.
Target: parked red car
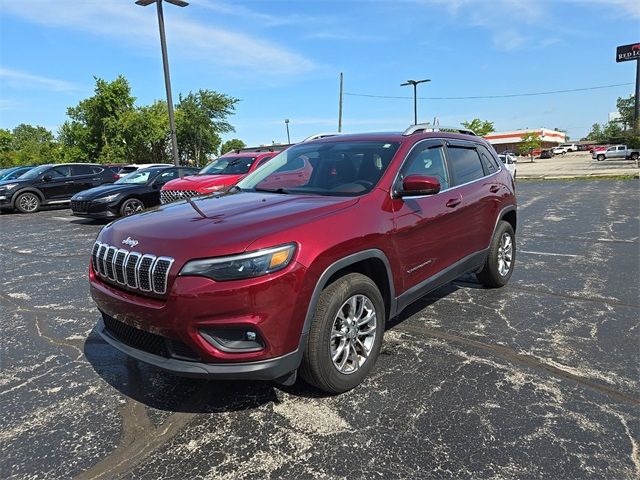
[
  {"x": 276, "y": 277},
  {"x": 224, "y": 172}
]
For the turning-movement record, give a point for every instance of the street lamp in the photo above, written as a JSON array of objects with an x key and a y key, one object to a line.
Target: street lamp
[
  {"x": 165, "y": 64},
  {"x": 415, "y": 96},
  {"x": 286, "y": 122}
]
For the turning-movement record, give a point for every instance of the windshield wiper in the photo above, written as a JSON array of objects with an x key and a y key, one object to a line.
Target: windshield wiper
[{"x": 271, "y": 190}]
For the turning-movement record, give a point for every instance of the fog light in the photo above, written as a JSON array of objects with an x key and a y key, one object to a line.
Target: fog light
[{"x": 234, "y": 340}]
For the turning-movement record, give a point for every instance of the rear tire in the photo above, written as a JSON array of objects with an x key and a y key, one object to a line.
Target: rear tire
[
  {"x": 27, "y": 203},
  {"x": 634, "y": 156},
  {"x": 501, "y": 259},
  {"x": 345, "y": 336}
]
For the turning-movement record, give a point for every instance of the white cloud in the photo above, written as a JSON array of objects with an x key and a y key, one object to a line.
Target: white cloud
[
  {"x": 127, "y": 23},
  {"x": 260, "y": 19},
  {"x": 18, "y": 79}
]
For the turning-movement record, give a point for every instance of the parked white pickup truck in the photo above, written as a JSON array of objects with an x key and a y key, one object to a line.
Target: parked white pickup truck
[{"x": 617, "y": 151}]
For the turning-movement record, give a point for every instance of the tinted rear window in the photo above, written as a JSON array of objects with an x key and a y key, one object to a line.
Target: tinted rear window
[{"x": 466, "y": 164}]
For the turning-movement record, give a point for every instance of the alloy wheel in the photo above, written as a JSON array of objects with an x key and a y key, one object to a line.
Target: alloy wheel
[
  {"x": 28, "y": 202},
  {"x": 353, "y": 334},
  {"x": 505, "y": 254},
  {"x": 132, "y": 206}
]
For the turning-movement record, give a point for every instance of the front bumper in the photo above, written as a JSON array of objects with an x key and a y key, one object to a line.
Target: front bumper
[
  {"x": 87, "y": 208},
  {"x": 274, "y": 306},
  {"x": 270, "y": 369}
]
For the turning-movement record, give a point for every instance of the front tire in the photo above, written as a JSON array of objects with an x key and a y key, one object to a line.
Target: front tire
[
  {"x": 600, "y": 158},
  {"x": 27, "y": 203},
  {"x": 345, "y": 336},
  {"x": 501, "y": 259},
  {"x": 130, "y": 207}
]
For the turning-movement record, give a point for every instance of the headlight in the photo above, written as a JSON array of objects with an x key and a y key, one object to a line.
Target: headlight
[
  {"x": 8, "y": 186},
  {"x": 246, "y": 265},
  {"x": 107, "y": 199}
]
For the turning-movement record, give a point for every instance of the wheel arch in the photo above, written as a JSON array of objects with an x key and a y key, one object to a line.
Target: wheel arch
[
  {"x": 372, "y": 263},
  {"x": 26, "y": 190}
]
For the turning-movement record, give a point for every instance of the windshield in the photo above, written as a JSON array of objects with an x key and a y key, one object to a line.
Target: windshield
[
  {"x": 228, "y": 166},
  {"x": 35, "y": 172},
  {"x": 340, "y": 168},
  {"x": 140, "y": 176}
]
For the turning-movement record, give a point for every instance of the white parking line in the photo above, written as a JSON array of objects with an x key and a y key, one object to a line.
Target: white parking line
[{"x": 549, "y": 253}]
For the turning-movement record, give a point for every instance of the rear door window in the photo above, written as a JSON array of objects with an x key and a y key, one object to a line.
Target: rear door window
[
  {"x": 78, "y": 170},
  {"x": 62, "y": 171},
  {"x": 465, "y": 164},
  {"x": 488, "y": 161}
]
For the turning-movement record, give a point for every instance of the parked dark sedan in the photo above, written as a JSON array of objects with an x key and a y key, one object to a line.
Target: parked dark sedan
[
  {"x": 546, "y": 153},
  {"x": 131, "y": 194}
]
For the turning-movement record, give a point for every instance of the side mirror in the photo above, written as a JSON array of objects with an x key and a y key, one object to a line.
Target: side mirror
[
  {"x": 47, "y": 178},
  {"x": 418, "y": 185}
]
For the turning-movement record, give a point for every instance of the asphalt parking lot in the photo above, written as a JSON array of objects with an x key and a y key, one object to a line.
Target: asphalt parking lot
[{"x": 539, "y": 379}]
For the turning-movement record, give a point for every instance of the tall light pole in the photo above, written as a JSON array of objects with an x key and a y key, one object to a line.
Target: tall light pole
[
  {"x": 415, "y": 96},
  {"x": 286, "y": 122},
  {"x": 165, "y": 64}
]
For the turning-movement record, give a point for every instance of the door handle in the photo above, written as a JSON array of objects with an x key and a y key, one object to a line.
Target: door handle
[
  {"x": 494, "y": 188},
  {"x": 454, "y": 202}
]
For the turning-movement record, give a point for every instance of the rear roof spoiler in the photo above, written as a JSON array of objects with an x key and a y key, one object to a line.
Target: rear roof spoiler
[{"x": 427, "y": 127}]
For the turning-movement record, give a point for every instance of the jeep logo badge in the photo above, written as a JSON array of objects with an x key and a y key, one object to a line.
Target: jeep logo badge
[{"x": 130, "y": 241}]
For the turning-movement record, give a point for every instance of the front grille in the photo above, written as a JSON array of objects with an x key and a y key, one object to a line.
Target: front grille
[
  {"x": 147, "y": 272},
  {"x": 168, "y": 196},
  {"x": 146, "y": 341},
  {"x": 80, "y": 206}
]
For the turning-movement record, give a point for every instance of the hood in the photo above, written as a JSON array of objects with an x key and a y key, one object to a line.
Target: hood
[
  {"x": 202, "y": 183},
  {"x": 215, "y": 226},
  {"x": 15, "y": 180},
  {"x": 104, "y": 190}
]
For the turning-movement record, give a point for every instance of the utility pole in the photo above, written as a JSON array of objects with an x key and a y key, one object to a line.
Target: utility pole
[
  {"x": 286, "y": 122},
  {"x": 340, "y": 106},
  {"x": 165, "y": 65},
  {"x": 415, "y": 84},
  {"x": 636, "y": 110}
]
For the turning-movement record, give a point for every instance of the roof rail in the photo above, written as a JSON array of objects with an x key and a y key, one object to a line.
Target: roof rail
[
  {"x": 427, "y": 127},
  {"x": 318, "y": 136},
  {"x": 264, "y": 148}
]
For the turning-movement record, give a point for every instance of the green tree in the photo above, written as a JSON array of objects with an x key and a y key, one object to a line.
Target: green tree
[
  {"x": 230, "y": 145},
  {"x": 480, "y": 127},
  {"x": 6, "y": 152},
  {"x": 95, "y": 131},
  {"x": 595, "y": 134},
  {"x": 530, "y": 141},
  {"x": 625, "y": 107},
  {"x": 33, "y": 145},
  {"x": 612, "y": 131},
  {"x": 146, "y": 134},
  {"x": 201, "y": 118}
]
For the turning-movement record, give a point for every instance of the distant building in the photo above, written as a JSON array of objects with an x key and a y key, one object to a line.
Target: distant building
[
  {"x": 615, "y": 117},
  {"x": 502, "y": 141}
]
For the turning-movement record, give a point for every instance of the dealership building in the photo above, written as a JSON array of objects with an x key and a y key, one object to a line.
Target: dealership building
[{"x": 502, "y": 141}]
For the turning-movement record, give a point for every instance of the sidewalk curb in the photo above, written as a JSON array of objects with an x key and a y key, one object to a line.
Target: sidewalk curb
[{"x": 593, "y": 176}]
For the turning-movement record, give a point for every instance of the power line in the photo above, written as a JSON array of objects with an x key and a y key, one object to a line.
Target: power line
[{"x": 511, "y": 95}]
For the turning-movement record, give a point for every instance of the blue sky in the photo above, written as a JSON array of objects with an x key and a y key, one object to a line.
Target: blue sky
[{"x": 283, "y": 59}]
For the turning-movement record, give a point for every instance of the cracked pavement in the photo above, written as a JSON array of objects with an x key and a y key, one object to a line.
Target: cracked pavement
[{"x": 539, "y": 379}]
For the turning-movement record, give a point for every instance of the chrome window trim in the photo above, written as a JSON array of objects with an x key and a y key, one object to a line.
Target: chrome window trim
[
  {"x": 166, "y": 276},
  {"x": 443, "y": 143}
]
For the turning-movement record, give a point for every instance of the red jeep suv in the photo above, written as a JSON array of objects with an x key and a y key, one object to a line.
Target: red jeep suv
[
  {"x": 286, "y": 273},
  {"x": 222, "y": 173}
]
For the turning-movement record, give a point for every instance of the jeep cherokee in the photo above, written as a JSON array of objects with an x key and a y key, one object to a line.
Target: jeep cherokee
[{"x": 299, "y": 273}]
